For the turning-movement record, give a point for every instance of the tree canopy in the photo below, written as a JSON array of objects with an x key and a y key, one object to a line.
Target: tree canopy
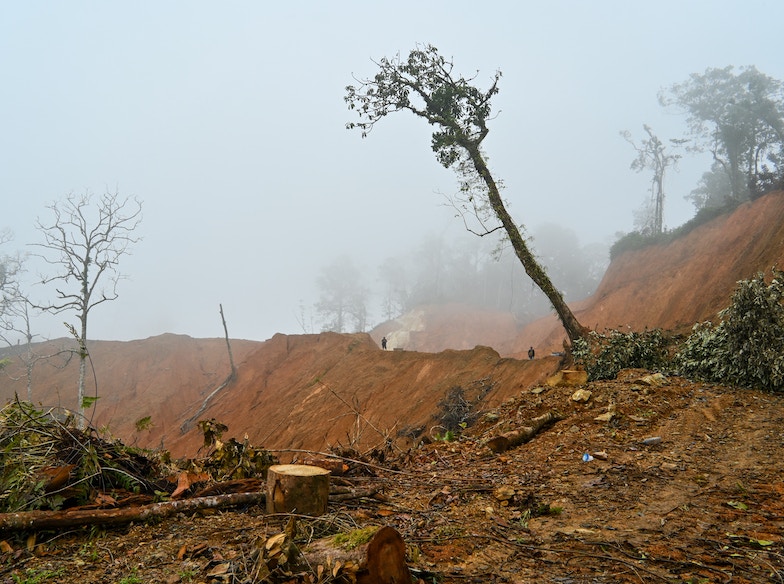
[{"x": 739, "y": 118}]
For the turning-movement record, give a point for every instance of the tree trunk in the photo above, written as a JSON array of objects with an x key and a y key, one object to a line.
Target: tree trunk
[
  {"x": 382, "y": 560},
  {"x": 570, "y": 323},
  {"x": 297, "y": 488},
  {"x": 35, "y": 520},
  {"x": 522, "y": 435},
  {"x": 233, "y": 374}
]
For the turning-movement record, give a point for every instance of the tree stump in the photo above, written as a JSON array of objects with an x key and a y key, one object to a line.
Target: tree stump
[
  {"x": 381, "y": 560},
  {"x": 299, "y": 488}
]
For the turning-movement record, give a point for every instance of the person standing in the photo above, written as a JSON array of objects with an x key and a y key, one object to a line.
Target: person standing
[
  {"x": 384, "y": 343},
  {"x": 531, "y": 353}
]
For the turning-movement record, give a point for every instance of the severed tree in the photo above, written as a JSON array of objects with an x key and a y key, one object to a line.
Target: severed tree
[
  {"x": 424, "y": 85},
  {"x": 86, "y": 240}
]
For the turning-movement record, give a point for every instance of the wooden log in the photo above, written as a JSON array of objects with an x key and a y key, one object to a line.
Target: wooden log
[
  {"x": 381, "y": 559},
  {"x": 519, "y": 436},
  {"x": 297, "y": 488},
  {"x": 35, "y": 520}
]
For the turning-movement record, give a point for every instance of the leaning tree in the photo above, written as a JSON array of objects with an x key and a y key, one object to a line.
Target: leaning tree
[
  {"x": 424, "y": 85},
  {"x": 85, "y": 241}
]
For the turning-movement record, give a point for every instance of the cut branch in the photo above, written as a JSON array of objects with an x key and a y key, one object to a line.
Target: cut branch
[
  {"x": 36, "y": 520},
  {"x": 522, "y": 435}
]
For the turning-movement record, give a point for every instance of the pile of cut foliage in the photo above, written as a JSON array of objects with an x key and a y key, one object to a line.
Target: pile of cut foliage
[
  {"x": 49, "y": 463},
  {"x": 745, "y": 347}
]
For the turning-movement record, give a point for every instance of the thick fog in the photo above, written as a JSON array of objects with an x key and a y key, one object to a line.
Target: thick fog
[{"x": 228, "y": 121}]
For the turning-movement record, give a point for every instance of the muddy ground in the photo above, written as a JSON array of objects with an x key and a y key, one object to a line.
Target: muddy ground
[{"x": 705, "y": 503}]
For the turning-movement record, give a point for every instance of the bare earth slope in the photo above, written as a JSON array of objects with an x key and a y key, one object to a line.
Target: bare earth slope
[
  {"x": 672, "y": 286},
  {"x": 293, "y": 391}
]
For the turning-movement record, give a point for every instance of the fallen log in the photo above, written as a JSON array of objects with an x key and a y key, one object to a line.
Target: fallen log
[
  {"x": 380, "y": 559},
  {"x": 522, "y": 435},
  {"x": 37, "y": 520}
]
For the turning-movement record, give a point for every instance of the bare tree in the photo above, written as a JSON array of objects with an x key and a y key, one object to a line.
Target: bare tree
[
  {"x": 86, "y": 240},
  {"x": 651, "y": 154},
  {"x": 424, "y": 85},
  {"x": 10, "y": 268}
]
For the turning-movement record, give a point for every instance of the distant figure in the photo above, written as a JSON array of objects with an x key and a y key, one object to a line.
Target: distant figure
[
  {"x": 384, "y": 343},
  {"x": 531, "y": 353}
]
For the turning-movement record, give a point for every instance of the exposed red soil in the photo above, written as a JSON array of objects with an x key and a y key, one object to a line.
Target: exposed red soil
[
  {"x": 674, "y": 285},
  {"x": 669, "y": 512}
]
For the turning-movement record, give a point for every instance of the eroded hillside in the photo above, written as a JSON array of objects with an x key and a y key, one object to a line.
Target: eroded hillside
[{"x": 311, "y": 391}]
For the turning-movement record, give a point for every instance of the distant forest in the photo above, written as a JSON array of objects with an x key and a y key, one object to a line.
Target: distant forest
[{"x": 474, "y": 271}]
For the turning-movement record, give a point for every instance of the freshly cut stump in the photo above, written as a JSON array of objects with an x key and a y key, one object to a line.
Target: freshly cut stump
[
  {"x": 297, "y": 488},
  {"x": 381, "y": 560}
]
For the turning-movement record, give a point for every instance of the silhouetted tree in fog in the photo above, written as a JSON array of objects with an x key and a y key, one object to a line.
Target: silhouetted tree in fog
[
  {"x": 739, "y": 119},
  {"x": 651, "y": 154},
  {"x": 342, "y": 304}
]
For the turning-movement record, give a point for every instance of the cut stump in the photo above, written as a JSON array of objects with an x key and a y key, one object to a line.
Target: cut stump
[
  {"x": 381, "y": 560},
  {"x": 297, "y": 488}
]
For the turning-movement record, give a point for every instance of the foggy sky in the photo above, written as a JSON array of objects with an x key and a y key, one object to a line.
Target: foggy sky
[{"x": 227, "y": 119}]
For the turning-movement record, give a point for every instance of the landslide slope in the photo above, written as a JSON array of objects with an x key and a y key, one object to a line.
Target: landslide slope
[
  {"x": 674, "y": 285},
  {"x": 312, "y": 391}
]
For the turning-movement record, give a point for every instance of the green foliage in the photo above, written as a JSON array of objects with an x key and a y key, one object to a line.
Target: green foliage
[
  {"x": 746, "y": 348},
  {"x": 88, "y": 401},
  {"x": 144, "y": 423},
  {"x": 238, "y": 460},
  {"x": 133, "y": 578},
  {"x": 46, "y": 462},
  {"x": 31, "y": 576},
  {"x": 737, "y": 117},
  {"x": 232, "y": 459},
  {"x": 635, "y": 240},
  {"x": 604, "y": 355}
]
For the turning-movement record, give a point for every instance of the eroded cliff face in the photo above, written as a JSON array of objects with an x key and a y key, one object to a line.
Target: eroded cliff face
[{"x": 315, "y": 391}]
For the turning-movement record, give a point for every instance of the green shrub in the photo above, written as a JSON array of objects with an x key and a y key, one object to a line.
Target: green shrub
[
  {"x": 746, "y": 348},
  {"x": 635, "y": 240},
  {"x": 604, "y": 355}
]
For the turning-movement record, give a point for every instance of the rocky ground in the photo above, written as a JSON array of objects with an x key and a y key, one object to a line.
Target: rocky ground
[{"x": 702, "y": 502}]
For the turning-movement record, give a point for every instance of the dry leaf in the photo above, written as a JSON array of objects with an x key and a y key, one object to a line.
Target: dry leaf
[{"x": 275, "y": 540}]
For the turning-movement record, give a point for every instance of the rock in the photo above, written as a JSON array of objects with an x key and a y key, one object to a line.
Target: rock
[
  {"x": 581, "y": 395},
  {"x": 653, "y": 380},
  {"x": 568, "y": 378},
  {"x": 504, "y": 493}
]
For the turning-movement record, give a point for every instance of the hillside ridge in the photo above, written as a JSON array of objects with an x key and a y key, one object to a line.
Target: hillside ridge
[{"x": 313, "y": 391}]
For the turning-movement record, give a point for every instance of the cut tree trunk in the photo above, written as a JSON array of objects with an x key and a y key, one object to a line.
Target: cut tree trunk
[
  {"x": 35, "y": 520},
  {"x": 381, "y": 560},
  {"x": 297, "y": 488},
  {"x": 522, "y": 435}
]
